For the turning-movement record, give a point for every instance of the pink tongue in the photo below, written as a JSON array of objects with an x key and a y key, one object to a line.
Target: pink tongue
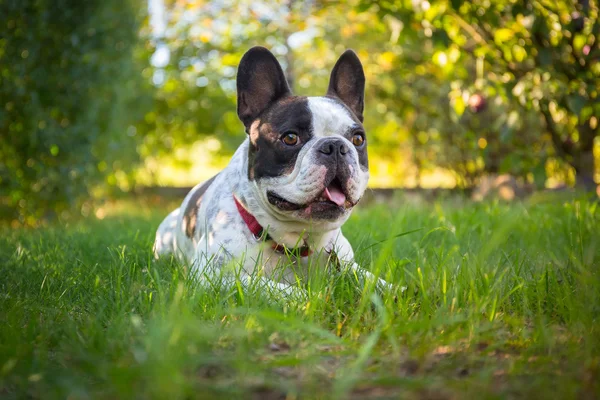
[{"x": 334, "y": 194}]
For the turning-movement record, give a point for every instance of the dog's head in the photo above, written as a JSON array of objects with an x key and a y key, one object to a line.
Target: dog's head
[{"x": 307, "y": 155}]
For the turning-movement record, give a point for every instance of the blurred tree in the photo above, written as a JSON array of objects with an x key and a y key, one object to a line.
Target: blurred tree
[
  {"x": 68, "y": 93},
  {"x": 194, "y": 68},
  {"x": 543, "y": 56},
  {"x": 422, "y": 111},
  {"x": 204, "y": 45},
  {"x": 468, "y": 87}
]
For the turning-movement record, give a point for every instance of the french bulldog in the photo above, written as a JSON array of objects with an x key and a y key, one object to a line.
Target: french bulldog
[{"x": 288, "y": 188}]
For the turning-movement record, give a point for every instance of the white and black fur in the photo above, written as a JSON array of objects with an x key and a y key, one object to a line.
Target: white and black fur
[{"x": 281, "y": 185}]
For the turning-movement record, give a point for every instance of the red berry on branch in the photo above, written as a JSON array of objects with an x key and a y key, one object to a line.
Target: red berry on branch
[{"x": 477, "y": 103}]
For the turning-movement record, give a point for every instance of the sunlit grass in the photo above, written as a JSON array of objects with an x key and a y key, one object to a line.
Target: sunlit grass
[{"x": 500, "y": 300}]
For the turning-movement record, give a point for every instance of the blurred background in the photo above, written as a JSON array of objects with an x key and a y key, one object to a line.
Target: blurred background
[{"x": 106, "y": 98}]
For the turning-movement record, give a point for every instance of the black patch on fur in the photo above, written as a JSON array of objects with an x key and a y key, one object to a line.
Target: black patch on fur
[
  {"x": 269, "y": 156},
  {"x": 363, "y": 157},
  {"x": 191, "y": 209}
]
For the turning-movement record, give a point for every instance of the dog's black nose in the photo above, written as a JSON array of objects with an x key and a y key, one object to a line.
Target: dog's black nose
[{"x": 333, "y": 146}]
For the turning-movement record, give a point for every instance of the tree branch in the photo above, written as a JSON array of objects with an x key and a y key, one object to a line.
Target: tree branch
[{"x": 559, "y": 145}]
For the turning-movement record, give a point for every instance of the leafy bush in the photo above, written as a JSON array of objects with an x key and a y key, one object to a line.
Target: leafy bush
[
  {"x": 541, "y": 58},
  {"x": 67, "y": 94}
]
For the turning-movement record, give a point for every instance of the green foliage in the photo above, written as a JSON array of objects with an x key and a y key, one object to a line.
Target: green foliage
[
  {"x": 499, "y": 301},
  {"x": 538, "y": 58},
  {"x": 68, "y": 93},
  {"x": 469, "y": 88},
  {"x": 459, "y": 85},
  {"x": 195, "y": 94}
]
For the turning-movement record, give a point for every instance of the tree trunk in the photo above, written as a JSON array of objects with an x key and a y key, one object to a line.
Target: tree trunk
[
  {"x": 584, "y": 168},
  {"x": 583, "y": 160},
  {"x": 289, "y": 57}
]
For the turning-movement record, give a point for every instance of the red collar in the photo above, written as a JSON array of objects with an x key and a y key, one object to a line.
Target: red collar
[{"x": 258, "y": 231}]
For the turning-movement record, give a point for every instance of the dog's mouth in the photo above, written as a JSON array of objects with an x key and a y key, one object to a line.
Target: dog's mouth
[{"x": 333, "y": 196}]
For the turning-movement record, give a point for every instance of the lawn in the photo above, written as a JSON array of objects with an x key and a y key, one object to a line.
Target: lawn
[{"x": 498, "y": 301}]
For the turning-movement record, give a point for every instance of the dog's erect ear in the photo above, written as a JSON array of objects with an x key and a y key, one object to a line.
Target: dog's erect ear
[
  {"x": 260, "y": 82},
  {"x": 347, "y": 82}
]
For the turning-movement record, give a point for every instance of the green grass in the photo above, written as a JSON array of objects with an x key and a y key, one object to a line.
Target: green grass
[{"x": 501, "y": 301}]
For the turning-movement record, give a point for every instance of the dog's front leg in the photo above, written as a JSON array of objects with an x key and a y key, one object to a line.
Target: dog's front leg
[
  {"x": 367, "y": 278},
  {"x": 345, "y": 255},
  {"x": 276, "y": 290},
  {"x": 263, "y": 286}
]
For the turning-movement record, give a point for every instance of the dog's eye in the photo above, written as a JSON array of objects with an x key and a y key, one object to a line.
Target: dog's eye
[
  {"x": 358, "y": 139},
  {"x": 290, "y": 138}
]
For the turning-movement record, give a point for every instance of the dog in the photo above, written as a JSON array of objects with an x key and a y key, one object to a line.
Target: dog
[{"x": 288, "y": 188}]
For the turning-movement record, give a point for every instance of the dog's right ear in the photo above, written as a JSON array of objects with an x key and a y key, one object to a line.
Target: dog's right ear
[{"x": 260, "y": 82}]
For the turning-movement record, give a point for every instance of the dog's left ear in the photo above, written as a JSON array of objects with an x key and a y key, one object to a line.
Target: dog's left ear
[
  {"x": 347, "y": 82},
  {"x": 260, "y": 82}
]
